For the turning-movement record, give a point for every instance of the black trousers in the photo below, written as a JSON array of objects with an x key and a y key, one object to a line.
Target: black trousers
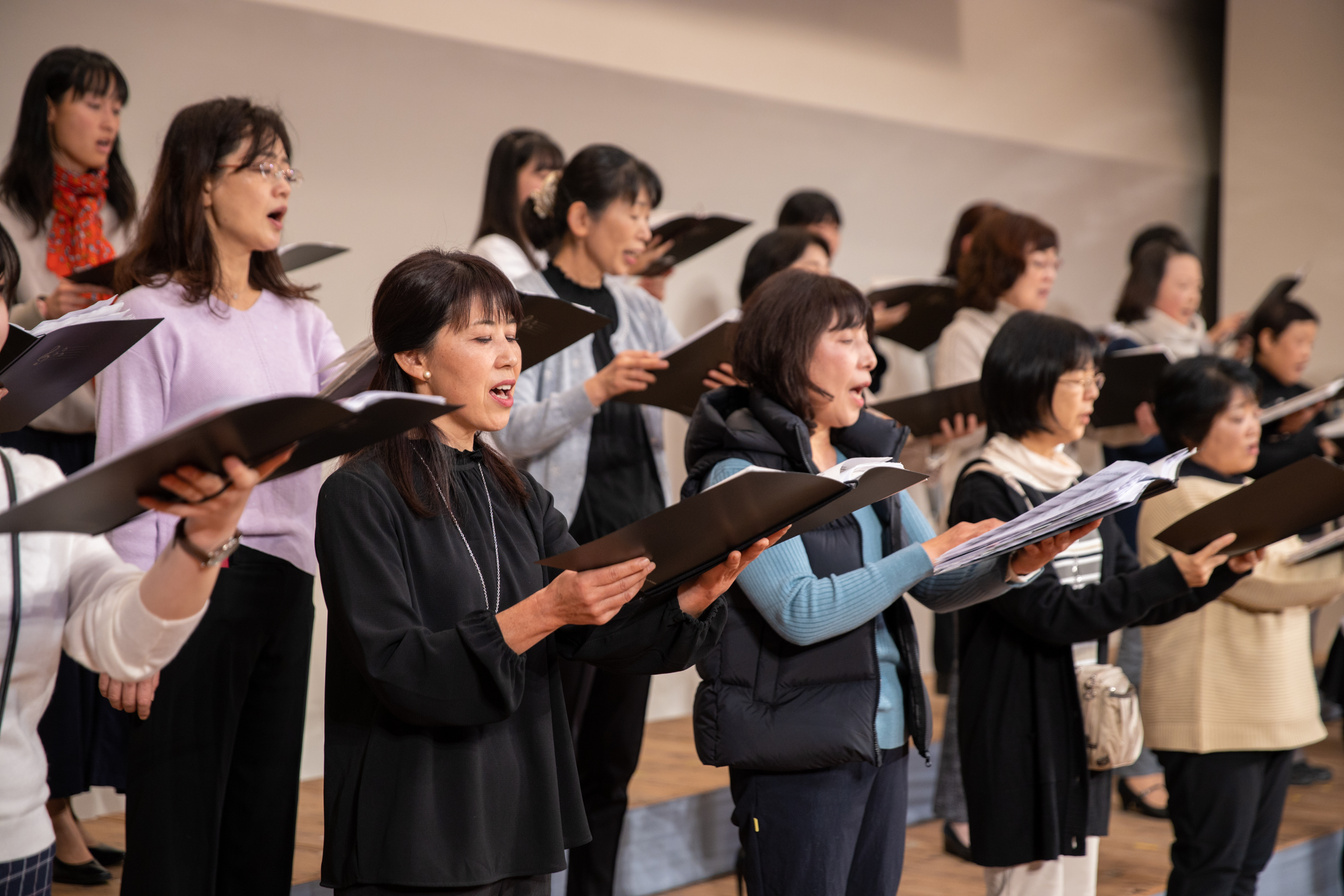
[
  {"x": 213, "y": 774},
  {"x": 1225, "y": 810},
  {"x": 539, "y": 885},
  {"x": 838, "y": 831},
  {"x": 606, "y": 717}
]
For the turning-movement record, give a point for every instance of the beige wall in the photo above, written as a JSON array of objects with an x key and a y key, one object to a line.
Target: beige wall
[
  {"x": 1090, "y": 113},
  {"x": 1283, "y": 160}
]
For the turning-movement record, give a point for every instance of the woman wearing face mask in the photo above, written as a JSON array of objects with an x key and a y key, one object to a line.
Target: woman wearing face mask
[
  {"x": 1284, "y": 333},
  {"x": 75, "y": 595},
  {"x": 67, "y": 198},
  {"x": 601, "y": 459},
  {"x": 811, "y": 700},
  {"x": 519, "y": 165},
  {"x": 212, "y": 789},
  {"x": 1229, "y": 691},
  {"x": 449, "y": 763},
  {"x": 1009, "y": 266},
  {"x": 1035, "y": 809}
]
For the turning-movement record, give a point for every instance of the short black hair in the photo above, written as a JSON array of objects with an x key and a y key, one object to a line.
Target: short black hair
[
  {"x": 773, "y": 253},
  {"x": 10, "y": 270},
  {"x": 1192, "y": 392},
  {"x": 1276, "y": 316},
  {"x": 1023, "y": 365},
  {"x": 807, "y": 207}
]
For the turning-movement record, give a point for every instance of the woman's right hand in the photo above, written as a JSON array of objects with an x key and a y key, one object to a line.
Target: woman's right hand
[
  {"x": 940, "y": 544},
  {"x": 627, "y": 372},
  {"x": 1197, "y": 568},
  {"x": 67, "y": 297},
  {"x": 954, "y": 427},
  {"x": 595, "y": 596}
]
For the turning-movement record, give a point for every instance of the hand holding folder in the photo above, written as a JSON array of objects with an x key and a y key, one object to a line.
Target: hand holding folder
[
  {"x": 679, "y": 386},
  {"x": 696, "y": 534}
]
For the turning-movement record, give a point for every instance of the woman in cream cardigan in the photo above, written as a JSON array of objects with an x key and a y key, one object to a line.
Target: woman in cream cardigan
[{"x": 1229, "y": 690}]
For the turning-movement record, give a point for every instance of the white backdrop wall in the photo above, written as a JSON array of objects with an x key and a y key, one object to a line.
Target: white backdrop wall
[{"x": 1093, "y": 114}]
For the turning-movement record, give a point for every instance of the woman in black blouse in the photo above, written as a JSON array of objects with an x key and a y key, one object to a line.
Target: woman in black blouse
[
  {"x": 448, "y": 754},
  {"x": 1033, "y": 804}
]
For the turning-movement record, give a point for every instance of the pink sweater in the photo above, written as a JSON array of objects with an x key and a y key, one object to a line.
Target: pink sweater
[{"x": 203, "y": 355}]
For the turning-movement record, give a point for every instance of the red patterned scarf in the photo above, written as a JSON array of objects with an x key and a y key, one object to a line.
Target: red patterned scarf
[{"x": 76, "y": 240}]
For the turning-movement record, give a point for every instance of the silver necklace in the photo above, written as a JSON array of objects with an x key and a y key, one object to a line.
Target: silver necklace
[{"x": 493, "y": 538}]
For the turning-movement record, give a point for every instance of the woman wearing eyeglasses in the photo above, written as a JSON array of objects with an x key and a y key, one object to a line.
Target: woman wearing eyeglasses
[
  {"x": 1035, "y": 808},
  {"x": 212, "y": 783}
]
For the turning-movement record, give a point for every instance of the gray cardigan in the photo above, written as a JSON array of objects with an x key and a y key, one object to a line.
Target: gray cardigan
[{"x": 552, "y": 419}]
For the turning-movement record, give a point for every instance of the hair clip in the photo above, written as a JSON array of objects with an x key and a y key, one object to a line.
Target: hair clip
[{"x": 543, "y": 197}]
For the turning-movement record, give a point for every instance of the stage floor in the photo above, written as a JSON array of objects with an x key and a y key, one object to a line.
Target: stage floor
[{"x": 1133, "y": 858}]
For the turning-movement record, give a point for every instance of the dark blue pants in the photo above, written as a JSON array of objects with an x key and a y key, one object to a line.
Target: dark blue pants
[
  {"x": 1225, "y": 811},
  {"x": 835, "y": 831}
]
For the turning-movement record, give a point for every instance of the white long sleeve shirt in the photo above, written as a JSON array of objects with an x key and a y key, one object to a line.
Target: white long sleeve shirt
[{"x": 77, "y": 595}]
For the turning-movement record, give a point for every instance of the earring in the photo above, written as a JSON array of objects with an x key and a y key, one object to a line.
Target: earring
[{"x": 426, "y": 376}]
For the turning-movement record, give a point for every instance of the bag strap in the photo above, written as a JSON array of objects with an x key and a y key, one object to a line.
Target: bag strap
[
  {"x": 984, "y": 466},
  {"x": 14, "y": 607}
]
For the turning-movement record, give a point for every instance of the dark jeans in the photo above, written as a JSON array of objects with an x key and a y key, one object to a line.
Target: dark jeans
[
  {"x": 1225, "y": 810},
  {"x": 606, "y": 717},
  {"x": 213, "y": 779},
  {"x": 839, "y": 831}
]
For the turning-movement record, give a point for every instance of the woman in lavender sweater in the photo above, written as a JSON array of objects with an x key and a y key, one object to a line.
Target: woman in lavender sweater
[{"x": 212, "y": 783}]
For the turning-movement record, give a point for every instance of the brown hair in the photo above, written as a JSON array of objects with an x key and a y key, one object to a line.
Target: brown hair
[
  {"x": 1145, "y": 278},
  {"x": 418, "y": 298},
  {"x": 970, "y": 218},
  {"x": 781, "y": 326},
  {"x": 1000, "y": 245},
  {"x": 174, "y": 241}
]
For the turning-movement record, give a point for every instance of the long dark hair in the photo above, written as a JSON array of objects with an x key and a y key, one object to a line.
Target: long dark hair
[
  {"x": 431, "y": 290},
  {"x": 597, "y": 177},
  {"x": 780, "y": 329},
  {"x": 500, "y": 210},
  {"x": 1145, "y": 278},
  {"x": 174, "y": 242},
  {"x": 25, "y": 182}
]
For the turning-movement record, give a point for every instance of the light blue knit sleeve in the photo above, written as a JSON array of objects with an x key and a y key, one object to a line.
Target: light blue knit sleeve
[
  {"x": 960, "y": 587},
  {"x": 805, "y": 609}
]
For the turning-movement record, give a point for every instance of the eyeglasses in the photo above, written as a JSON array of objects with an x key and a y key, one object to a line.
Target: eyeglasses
[
  {"x": 1086, "y": 381},
  {"x": 271, "y": 171}
]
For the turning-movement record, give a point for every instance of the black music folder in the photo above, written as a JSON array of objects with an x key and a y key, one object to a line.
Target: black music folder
[
  {"x": 932, "y": 303},
  {"x": 292, "y": 257},
  {"x": 692, "y": 234},
  {"x": 299, "y": 255},
  {"x": 549, "y": 325},
  {"x": 1296, "y": 498},
  {"x": 103, "y": 496},
  {"x": 922, "y": 413},
  {"x": 40, "y": 370},
  {"x": 699, "y": 532},
  {"x": 1131, "y": 379},
  {"x": 679, "y": 386}
]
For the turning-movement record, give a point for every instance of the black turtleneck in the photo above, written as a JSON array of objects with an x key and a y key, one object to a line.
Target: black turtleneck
[{"x": 620, "y": 484}]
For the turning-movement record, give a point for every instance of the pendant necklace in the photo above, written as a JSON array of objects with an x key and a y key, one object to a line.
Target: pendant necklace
[{"x": 493, "y": 538}]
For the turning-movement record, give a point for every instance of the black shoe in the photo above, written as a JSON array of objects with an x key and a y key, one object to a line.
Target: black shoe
[
  {"x": 107, "y": 856},
  {"x": 952, "y": 844},
  {"x": 85, "y": 874},
  {"x": 1304, "y": 773},
  {"x": 1135, "y": 802}
]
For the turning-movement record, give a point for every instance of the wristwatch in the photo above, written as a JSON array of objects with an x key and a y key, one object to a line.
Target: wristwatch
[{"x": 207, "y": 559}]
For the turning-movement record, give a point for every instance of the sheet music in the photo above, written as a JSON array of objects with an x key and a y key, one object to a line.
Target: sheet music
[{"x": 1301, "y": 402}]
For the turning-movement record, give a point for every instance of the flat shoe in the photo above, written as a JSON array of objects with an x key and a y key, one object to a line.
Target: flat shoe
[
  {"x": 83, "y": 874},
  {"x": 107, "y": 856},
  {"x": 1135, "y": 802},
  {"x": 952, "y": 844}
]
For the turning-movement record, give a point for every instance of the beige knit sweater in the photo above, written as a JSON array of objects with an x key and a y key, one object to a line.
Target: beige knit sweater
[{"x": 1236, "y": 674}]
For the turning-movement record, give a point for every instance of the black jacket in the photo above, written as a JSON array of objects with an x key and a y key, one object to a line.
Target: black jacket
[
  {"x": 1029, "y": 792},
  {"x": 764, "y": 703},
  {"x": 1278, "y": 449}
]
